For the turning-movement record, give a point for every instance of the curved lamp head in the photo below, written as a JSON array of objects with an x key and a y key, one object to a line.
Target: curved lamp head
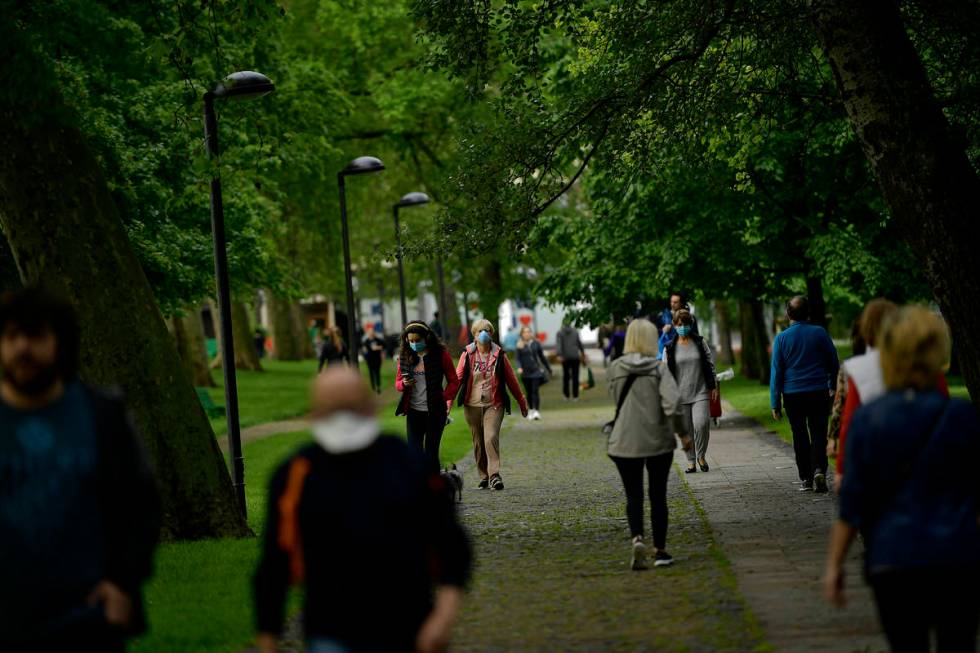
[
  {"x": 411, "y": 199},
  {"x": 244, "y": 85},
  {"x": 362, "y": 165}
]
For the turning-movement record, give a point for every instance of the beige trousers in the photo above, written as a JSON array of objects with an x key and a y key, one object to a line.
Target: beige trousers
[{"x": 484, "y": 423}]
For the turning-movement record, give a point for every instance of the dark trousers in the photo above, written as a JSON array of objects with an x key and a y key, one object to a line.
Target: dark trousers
[
  {"x": 569, "y": 376},
  {"x": 374, "y": 371},
  {"x": 808, "y": 413},
  {"x": 425, "y": 432},
  {"x": 532, "y": 387},
  {"x": 911, "y": 603},
  {"x": 631, "y": 471}
]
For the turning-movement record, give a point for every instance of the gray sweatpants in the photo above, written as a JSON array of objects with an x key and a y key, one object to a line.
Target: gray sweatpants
[{"x": 698, "y": 421}]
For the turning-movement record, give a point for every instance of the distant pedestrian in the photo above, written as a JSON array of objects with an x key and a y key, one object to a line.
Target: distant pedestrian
[
  {"x": 533, "y": 368},
  {"x": 614, "y": 348},
  {"x": 571, "y": 355},
  {"x": 692, "y": 365},
  {"x": 258, "y": 341},
  {"x": 677, "y": 301},
  {"x": 917, "y": 515},
  {"x": 485, "y": 377},
  {"x": 366, "y": 526},
  {"x": 423, "y": 365},
  {"x": 79, "y": 508},
  {"x": 373, "y": 348},
  {"x": 649, "y": 414},
  {"x": 803, "y": 377},
  {"x": 437, "y": 326},
  {"x": 333, "y": 351}
]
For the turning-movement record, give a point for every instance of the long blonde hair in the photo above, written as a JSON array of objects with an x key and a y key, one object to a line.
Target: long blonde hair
[
  {"x": 914, "y": 348},
  {"x": 641, "y": 338}
]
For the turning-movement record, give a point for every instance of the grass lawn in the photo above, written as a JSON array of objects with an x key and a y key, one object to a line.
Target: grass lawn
[
  {"x": 751, "y": 398},
  {"x": 199, "y": 600}
]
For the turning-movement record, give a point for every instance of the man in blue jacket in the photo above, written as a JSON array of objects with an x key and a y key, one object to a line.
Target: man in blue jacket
[{"x": 803, "y": 378}]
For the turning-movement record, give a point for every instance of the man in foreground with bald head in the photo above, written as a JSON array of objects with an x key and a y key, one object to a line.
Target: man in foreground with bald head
[{"x": 368, "y": 528}]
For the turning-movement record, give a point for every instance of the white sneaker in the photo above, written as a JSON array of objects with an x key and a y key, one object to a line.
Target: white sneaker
[
  {"x": 537, "y": 414},
  {"x": 638, "y": 558}
]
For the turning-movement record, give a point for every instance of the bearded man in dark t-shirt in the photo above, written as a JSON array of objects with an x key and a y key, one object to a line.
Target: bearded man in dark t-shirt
[{"x": 79, "y": 509}]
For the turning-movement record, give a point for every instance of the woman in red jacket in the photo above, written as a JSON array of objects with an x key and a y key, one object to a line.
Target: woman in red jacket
[
  {"x": 484, "y": 371},
  {"x": 422, "y": 365}
]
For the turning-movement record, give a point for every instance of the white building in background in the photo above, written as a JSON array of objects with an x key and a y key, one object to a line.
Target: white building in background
[{"x": 544, "y": 320}]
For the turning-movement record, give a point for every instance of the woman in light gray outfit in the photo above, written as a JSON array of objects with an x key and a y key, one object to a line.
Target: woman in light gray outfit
[
  {"x": 692, "y": 365},
  {"x": 643, "y": 435}
]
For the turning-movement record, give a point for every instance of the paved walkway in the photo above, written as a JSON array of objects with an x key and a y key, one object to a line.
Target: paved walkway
[
  {"x": 776, "y": 540},
  {"x": 553, "y": 553}
]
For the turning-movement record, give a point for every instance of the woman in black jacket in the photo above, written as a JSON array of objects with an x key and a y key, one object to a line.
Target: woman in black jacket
[{"x": 529, "y": 355}]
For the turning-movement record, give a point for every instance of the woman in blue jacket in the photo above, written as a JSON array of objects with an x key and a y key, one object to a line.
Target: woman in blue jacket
[{"x": 918, "y": 518}]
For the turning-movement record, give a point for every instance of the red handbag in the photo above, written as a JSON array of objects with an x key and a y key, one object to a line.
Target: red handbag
[{"x": 714, "y": 404}]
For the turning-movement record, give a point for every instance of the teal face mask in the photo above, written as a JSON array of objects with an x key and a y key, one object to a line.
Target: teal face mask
[
  {"x": 683, "y": 330},
  {"x": 417, "y": 346}
]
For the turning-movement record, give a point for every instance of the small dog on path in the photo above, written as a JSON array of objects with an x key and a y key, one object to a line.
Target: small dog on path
[{"x": 454, "y": 481}]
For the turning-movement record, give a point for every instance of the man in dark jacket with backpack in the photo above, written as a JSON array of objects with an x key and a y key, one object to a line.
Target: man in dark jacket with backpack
[
  {"x": 367, "y": 526},
  {"x": 79, "y": 509}
]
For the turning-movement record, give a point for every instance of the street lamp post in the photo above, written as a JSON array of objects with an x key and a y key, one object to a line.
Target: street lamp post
[
  {"x": 359, "y": 166},
  {"x": 409, "y": 199},
  {"x": 243, "y": 85}
]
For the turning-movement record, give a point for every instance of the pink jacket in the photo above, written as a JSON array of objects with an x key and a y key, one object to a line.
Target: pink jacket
[{"x": 510, "y": 378}]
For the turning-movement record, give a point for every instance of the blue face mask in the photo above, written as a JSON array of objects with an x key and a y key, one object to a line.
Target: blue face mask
[
  {"x": 683, "y": 330},
  {"x": 417, "y": 346},
  {"x": 483, "y": 337}
]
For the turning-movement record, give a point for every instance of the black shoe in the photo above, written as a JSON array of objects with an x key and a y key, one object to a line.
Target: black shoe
[
  {"x": 806, "y": 486},
  {"x": 819, "y": 482},
  {"x": 691, "y": 470},
  {"x": 662, "y": 559},
  {"x": 703, "y": 466},
  {"x": 496, "y": 483},
  {"x": 483, "y": 484}
]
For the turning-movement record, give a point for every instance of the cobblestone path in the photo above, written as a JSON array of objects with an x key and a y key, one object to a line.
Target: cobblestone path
[
  {"x": 553, "y": 552},
  {"x": 776, "y": 539}
]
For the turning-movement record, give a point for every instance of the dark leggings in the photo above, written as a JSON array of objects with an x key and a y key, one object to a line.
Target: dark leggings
[
  {"x": 631, "y": 471},
  {"x": 425, "y": 432},
  {"x": 374, "y": 371},
  {"x": 532, "y": 386},
  {"x": 569, "y": 377},
  {"x": 808, "y": 413},
  {"x": 913, "y": 602}
]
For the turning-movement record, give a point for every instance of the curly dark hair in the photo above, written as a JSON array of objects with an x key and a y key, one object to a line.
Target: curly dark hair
[{"x": 433, "y": 344}]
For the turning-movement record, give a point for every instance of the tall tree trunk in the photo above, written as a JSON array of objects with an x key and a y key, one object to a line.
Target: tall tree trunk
[
  {"x": 301, "y": 331},
  {"x": 491, "y": 292},
  {"x": 924, "y": 173},
  {"x": 246, "y": 357},
  {"x": 726, "y": 355},
  {"x": 818, "y": 306},
  {"x": 755, "y": 341},
  {"x": 286, "y": 341},
  {"x": 188, "y": 333},
  {"x": 65, "y": 232}
]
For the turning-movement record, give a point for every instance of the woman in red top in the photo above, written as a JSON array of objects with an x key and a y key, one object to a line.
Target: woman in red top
[
  {"x": 484, "y": 372},
  {"x": 422, "y": 365}
]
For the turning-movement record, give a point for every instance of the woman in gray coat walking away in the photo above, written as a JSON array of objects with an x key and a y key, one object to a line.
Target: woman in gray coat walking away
[{"x": 649, "y": 416}]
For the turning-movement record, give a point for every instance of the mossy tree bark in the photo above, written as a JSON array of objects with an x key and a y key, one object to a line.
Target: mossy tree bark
[
  {"x": 188, "y": 332},
  {"x": 726, "y": 355},
  {"x": 286, "y": 341},
  {"x": 925, "y": 175},
  {"x": 755, "y": 341},
  {"x": 65, "y": 232},
  {"x": 246, "y": 357}
]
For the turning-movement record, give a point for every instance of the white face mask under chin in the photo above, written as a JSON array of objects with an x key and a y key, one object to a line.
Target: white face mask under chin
[{"x": 344, "y": 432}]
